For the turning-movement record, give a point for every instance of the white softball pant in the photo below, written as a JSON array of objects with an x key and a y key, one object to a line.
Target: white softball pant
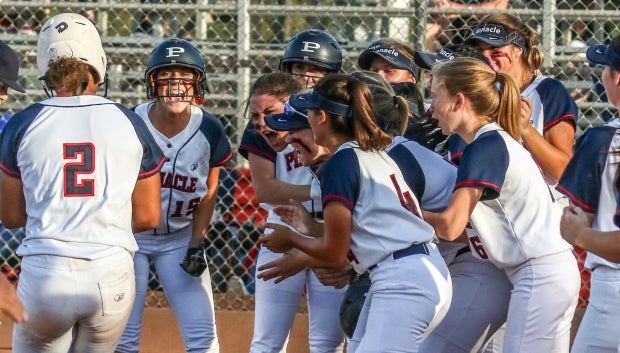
[
  {"x": 408, "y": 297},
  {"x": 73, "y": 304},
  {"x": 599, "y": 330},
  {"x": 542, "y": 304},
  {"x": 480, "y": 297},
  {"x": 277, "y": 304},
  {"x": 191, "y": 298}
]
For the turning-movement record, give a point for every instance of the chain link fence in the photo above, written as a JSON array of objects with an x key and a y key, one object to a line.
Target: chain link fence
[{"x": 242, "y": 39}]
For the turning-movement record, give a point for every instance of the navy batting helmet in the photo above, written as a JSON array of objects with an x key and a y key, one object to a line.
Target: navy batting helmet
[
  {"x": 176, "y": 52},
  {"x": 315, "y": 47}
]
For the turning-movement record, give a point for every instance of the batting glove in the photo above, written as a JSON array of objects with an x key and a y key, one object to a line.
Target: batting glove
[{"x": 195, "y": 261}]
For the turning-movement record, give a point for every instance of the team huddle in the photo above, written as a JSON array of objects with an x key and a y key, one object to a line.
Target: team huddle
[{"x": 437, "y": 226}]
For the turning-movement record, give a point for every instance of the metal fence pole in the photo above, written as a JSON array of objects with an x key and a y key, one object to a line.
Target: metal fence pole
[
  {"x": 548, "y": 31},
  {"x": 243, "y": 71}
]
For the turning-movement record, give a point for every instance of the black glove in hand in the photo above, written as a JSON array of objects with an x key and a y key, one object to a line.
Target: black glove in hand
[
  {"x": 425, "y": 131},
  {"x": 195, "y": 261}
]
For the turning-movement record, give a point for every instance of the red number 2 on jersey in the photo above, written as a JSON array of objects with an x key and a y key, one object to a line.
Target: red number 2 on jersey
[{"x": 80, "y": 159}]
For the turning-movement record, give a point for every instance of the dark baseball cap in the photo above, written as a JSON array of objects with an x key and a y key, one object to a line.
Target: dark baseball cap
[
  {"x": 496, "y": 36},
  {"x": 427, "y": 60},
  {"x": 291, "y": 120},
  {"x": 313, "y": 100},
  {"x": 9, "y": 68},
  {"x": 391, "y": 55},
  {"x": 605, "y": 54}
]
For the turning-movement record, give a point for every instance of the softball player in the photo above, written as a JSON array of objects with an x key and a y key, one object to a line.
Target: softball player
[
  {"x": 548, "y": 133},
  {"x": 80, "y": 172},
  {"x": 591, "y": 183},
  {"x": 366, "y": 198},
  {"x": 481, "y": 291},
  {"x": 277, "y": 176},
  {"x": 311, "y": 54},
  {"x": 195, "y": 146},
  {"x": 513, "y": 211},
  {"x": 9, "y": 74},
  {"x": 394, "y": 61}
]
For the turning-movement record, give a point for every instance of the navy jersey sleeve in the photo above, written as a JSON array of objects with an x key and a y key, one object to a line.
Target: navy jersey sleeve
[
  {"x": 558, "y": 104},
  {"x": 212, "y": 128},
  {"x": 152, "y": 157},
  {"x": 253, "y": 142},
  {"x": 456, "y": 146},
  {"x": 11, "y": 136},
  {"x": 484, "y": 164},
  {"x": 582, "y": 178},
  {"x": 411, "y": 169},
  {"x": 340, "y": 179}
]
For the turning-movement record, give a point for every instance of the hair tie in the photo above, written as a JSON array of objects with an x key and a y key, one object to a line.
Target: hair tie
[{"x": 395, "y": 99}]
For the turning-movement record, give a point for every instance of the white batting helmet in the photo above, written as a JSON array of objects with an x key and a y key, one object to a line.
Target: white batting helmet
[{"x": 71, "y": 35}]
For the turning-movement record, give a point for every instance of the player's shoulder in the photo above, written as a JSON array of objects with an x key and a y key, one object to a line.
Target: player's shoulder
[
  {"x": 597, "y": 137},
  {"x": 343, "y": 160},
  {"x": 23, "y": 118},
  {"x": 549, "y": 88}
]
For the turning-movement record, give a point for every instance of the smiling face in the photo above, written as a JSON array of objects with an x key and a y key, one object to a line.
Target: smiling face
[
  {"x": 442, "y": 107},
  {"x": 175, "y": 87},
  {"x": 265, "y": 104},
  {"x": 504, "y": 59}
]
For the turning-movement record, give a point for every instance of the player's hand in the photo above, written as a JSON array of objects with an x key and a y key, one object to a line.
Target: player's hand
[
  {"x": 334, "y": 276},
  {"x": 526, "y": 112},
  {"x": 573, "y": 221},
  {"x": 289, "y": 264},
  {"x": 195, "y": 261},
  {"x": 278, "y": 240},
  {"x": 296, "y": 216},
  {"x": 9, "y": 301}
]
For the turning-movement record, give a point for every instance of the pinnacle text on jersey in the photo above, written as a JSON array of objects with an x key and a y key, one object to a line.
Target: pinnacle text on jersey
[{"x": 178, "y": 182}]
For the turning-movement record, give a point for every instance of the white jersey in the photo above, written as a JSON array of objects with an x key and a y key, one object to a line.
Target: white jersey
[
  {"x": 385, "y": 211},
  {"x": 432, "y": 180},
  {"x": 190, "y": 154},
  {"x": 551, "y": 105},
  {"x": 79, "y": 159},
  {"x": 517, "y": 218},
  {"x": 591, "y": 177},
  {"x": 288, "y": 169}
]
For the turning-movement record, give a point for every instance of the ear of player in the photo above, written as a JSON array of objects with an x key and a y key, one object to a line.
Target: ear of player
[{"x": 195, "y": 261}]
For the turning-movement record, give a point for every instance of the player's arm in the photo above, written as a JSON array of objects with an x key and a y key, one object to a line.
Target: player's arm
[
  {"x": 332, "y": 248},
  {"x": 204, "y": 212},
  {"x": 195, "y": 260},
  {"x": 12, "y": 202},
  {"x": 9, "y": 301},
  {"x": 146, "y": 203},
  {"x": 576, "y": 229},
  {"x": 269, "y": 189},
  {"x": 451, "y": 222},
  {"x": 294, "y": 261},
  {"x": 553, "y": 150}
]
